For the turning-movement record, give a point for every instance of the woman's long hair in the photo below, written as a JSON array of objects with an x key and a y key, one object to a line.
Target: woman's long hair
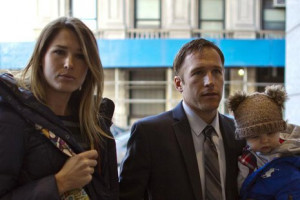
[{"x": 88, "y": 99}]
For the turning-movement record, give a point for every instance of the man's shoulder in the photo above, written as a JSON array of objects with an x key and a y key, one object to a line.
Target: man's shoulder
[
  {"x": 175, "y": 114},
  {"x": 154, "y": 119},
  {"x": 228, "y": 119}
]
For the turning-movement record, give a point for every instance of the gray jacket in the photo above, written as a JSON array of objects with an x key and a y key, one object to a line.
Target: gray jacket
[{"x": 291, "y": 146}]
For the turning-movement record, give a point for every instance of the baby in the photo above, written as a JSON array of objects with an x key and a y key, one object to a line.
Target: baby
[{"x": 269, "y": 165}]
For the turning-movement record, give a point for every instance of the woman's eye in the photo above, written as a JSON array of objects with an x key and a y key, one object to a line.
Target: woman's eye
[
  {"x": 59, "y": 52},
  {"x": 80, "y": 56}
]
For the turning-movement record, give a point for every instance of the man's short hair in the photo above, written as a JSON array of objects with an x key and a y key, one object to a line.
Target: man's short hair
[{"x": 194, "y": 46}]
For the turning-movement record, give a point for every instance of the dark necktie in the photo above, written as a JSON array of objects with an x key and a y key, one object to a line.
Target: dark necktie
[{"x": 213, "y": 187}]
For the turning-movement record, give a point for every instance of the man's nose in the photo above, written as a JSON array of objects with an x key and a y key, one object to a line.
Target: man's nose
[{"x": 208, "y": 79}]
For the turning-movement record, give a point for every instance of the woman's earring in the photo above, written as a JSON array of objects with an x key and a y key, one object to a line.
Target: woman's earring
[{"x": 79, "y": 88}]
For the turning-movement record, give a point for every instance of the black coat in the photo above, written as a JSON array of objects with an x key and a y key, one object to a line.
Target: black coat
[
  {"x": 161, "y": 163},
  {"x": 29, "y": 160}
]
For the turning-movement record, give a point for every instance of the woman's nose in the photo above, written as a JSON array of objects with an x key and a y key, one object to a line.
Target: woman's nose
[{"x": 69, "y": 63}]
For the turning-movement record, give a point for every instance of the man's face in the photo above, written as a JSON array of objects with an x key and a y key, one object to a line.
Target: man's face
[{"x": 201, "y": 80}]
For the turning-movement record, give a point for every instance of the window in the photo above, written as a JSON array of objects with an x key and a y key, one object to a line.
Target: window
[
  {"x": 147, "y": 92},
  {"x": 273, "y": 18},
  {"x": 269, "y": 76},
  {"x": 86, "y": 10},
  {"x": 250, "y": 79},
  {"x": 147, "y": 14},
  {"x": 211, "y": 14}
]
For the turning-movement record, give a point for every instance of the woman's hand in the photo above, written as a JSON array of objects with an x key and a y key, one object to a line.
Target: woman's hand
[{"x": 77, "y": 171}]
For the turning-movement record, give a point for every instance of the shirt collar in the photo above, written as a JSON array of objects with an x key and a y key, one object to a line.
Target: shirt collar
[{"x": 197, "y": 124}]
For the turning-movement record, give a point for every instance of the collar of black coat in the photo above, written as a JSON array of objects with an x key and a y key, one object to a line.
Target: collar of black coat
[{"x": 33, "y": 111}]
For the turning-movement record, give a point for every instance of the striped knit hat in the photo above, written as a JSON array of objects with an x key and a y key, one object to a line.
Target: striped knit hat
[{"x": 258, "y": 113}]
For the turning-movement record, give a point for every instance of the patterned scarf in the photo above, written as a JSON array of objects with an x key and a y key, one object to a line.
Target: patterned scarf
[{"x": 76, "y": 194}]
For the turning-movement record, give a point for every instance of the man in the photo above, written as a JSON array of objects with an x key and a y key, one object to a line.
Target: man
[{"x": 165, "y": 153}]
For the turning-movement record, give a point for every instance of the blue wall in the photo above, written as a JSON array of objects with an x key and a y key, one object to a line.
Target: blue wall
[{"x": 160, "y": 52}]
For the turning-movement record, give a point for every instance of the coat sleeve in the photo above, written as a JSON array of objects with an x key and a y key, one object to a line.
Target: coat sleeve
[
  {"x": 11, "y": 158},
  {"x": 135, "y": 169},
  {"x": 113, "y": 172}
]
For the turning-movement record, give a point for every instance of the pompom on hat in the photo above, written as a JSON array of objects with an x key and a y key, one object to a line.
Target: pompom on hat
[{"x": 258, "y": 113}]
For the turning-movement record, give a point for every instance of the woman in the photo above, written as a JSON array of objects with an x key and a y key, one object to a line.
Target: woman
[{"x": 54, "y": 142}]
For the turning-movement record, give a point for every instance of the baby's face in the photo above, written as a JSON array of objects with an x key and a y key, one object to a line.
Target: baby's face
[{"x": 264, "y": 143}]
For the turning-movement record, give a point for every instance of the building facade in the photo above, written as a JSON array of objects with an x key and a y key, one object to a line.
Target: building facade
[{"x": 138, "y": 40}]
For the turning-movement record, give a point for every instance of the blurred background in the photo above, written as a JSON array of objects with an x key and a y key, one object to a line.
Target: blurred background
[{"x": 138, "y": 40}]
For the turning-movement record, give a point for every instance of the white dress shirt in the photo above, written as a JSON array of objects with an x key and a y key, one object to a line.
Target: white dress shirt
[{"x": 197, "y": 125}]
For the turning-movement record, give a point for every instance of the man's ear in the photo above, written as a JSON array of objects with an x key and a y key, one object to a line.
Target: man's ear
[{"x": 178, "y": 83}]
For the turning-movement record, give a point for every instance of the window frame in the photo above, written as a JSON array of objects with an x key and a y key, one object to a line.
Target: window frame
[
  {"x": 263, "y": 23},
  {"x": 211, "y": 20},
  {"x": 134, "y": 88},
  {"x": 71, "y": 13},
  {"x": 147, "y": 19}
]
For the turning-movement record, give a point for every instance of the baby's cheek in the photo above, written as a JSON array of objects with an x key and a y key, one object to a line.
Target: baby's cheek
[
  {"x": 252, "y": 145},
  {"x": 277, "y": 143}
]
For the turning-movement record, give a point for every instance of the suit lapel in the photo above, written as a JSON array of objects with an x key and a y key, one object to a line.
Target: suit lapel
[
  {"x": 227, "y": 131},
  {"x": 230, "y": 147},
  {"x": 184, "y": 138}
]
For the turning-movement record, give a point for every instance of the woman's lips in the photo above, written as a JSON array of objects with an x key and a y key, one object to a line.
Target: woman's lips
[{"x": 66, "y": 76}]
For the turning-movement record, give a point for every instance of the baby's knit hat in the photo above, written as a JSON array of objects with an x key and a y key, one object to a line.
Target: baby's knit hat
[{"x": 258, "y": 113}]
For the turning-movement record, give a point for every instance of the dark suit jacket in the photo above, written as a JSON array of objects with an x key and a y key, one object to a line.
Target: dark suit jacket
[{"x": 161, "y": 161}]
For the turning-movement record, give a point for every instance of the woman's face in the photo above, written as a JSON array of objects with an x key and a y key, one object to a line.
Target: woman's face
[
  {"x": 264, "y": 143},
  {"x": 64, "y": 66}
]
